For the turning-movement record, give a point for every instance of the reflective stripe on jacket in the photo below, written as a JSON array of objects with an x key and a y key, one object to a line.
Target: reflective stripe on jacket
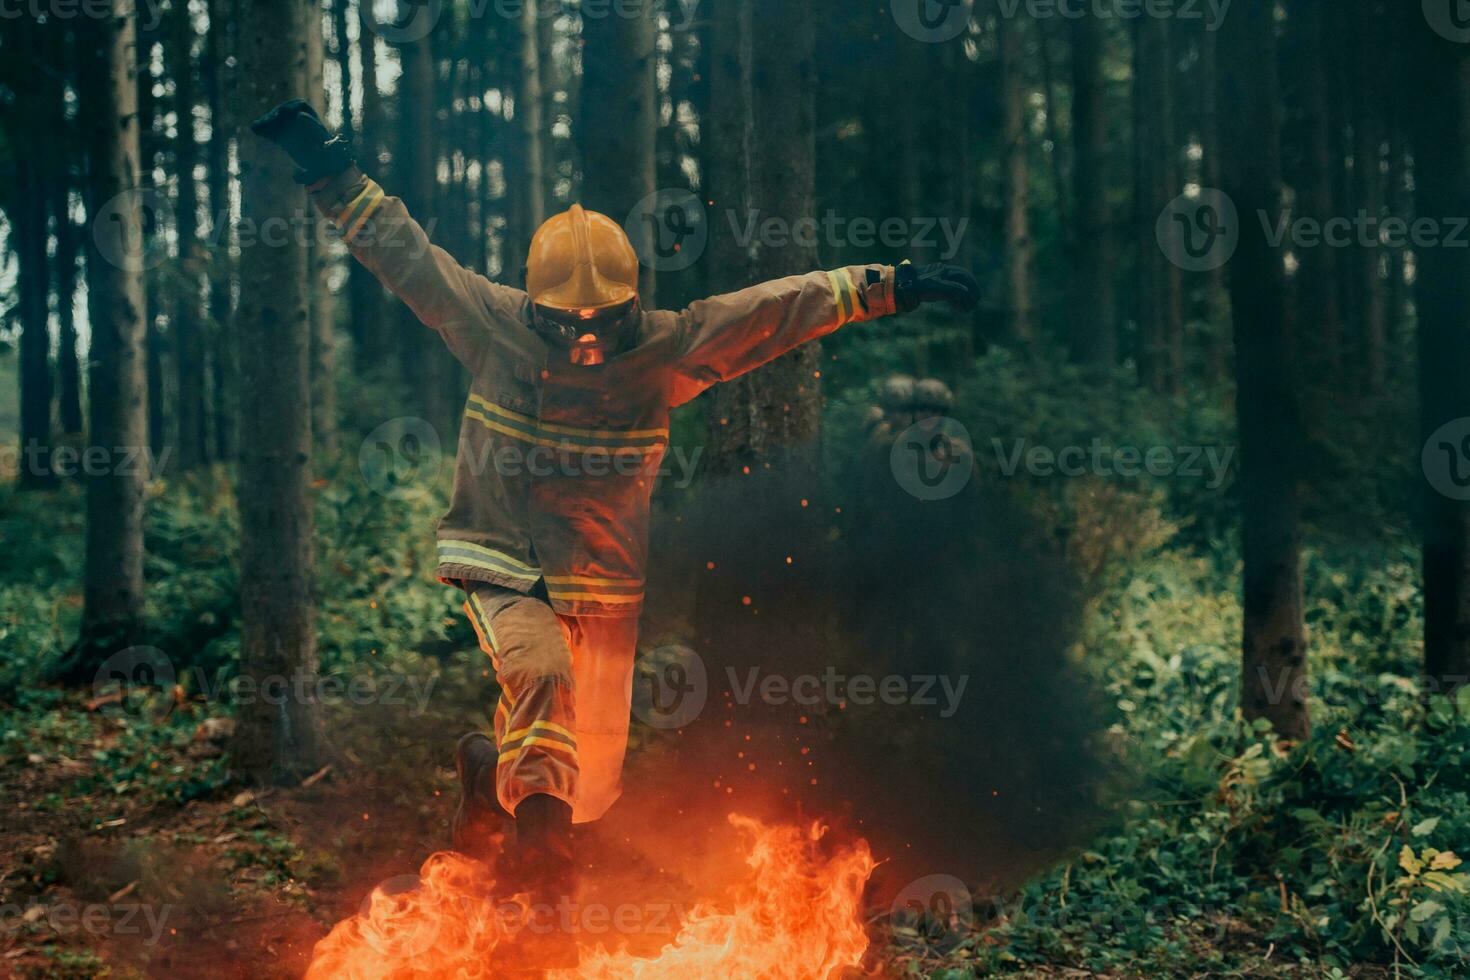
[{"x": 556, "y": 462}]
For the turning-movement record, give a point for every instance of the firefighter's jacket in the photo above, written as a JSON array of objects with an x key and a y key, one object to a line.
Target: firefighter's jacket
[{"x": 557, "y": 461}]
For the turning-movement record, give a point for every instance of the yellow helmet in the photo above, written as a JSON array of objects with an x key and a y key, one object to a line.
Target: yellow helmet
[{"x": 581, "y": 260}]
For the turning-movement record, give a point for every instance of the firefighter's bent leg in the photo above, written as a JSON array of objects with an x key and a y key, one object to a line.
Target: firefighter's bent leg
[
  {"x": 535, "y": 721},
  {"x": 602, "y": 666}
]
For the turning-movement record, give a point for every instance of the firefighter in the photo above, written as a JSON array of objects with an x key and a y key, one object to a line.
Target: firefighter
[{"x": 569, "y": 404}]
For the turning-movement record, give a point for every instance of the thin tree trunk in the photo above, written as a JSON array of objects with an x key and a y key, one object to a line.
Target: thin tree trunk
[
  {"x": 1438, "y": 95},
  {"x": 222, "y": 360},
  {"x": 323, "y": 307},
  {"x": 1368, "y": 183},
  {"x": 68, "y": 364},
  {"x": 729, "y": 131},
  {"x": 547, "y": 82},
  {"x": 1217, "y": 295},
  {"x": 370, "y": 320},
  {"x": 1273, "y": 663},
  {"x": 28, "y": 214},
  {"x": 1160, "y": 282},
  {"x": 1095, "y": 331},
  {"x": 1020, "y": 249},
  {"x": 1057, "y": 154},
  {"x": 421, "y": 360},
  {"x": 278, "y": 639},
  {"x": 186, "y": 327},
  {"x": 112, "y": 601},
  {"x": 619, "y": 120},
  {"x": 1319, "y": 274}
]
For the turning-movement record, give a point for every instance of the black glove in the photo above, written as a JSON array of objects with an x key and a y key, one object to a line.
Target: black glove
[
  {"x": 924, "y": 284},
  {"x": 295, "y": 127}
]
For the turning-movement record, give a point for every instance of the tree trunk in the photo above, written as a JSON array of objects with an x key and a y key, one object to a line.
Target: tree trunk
[
  {"x": 322, "y": 304},
  {"x": 278, "y": 639},
  {"x": 1319, "y": 273},
  {"x": 28, "y": 214},
  {"x": 1217, "y": 296},
  {"x": 1438, "y": 96},
  {"x": 1274, "y": 664},
  {"x": 1160, "y": 283},
  {"x": 371, "y": 330},
  {"x": 1368, "y": 187},
  {"x": 729, "y": 129},
  {"x": 547, "y": 80},
  {"x": 1020, "y": 249},
  {"x": 112, "y": 603},
  {"x": 1046, "y": 43},
  {"x": 1095, "y": 331},
  {"x": 423, "y": 360},
  {"x": 68, "y": 364},
  {"x": 222, "y": 360},
  {"x": 186, "y": 328},
  {"x": 774, "y": 413},
  {"x": 619, "y": 121}
]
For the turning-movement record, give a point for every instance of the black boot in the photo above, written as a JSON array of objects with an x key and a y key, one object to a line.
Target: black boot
[
  {"x": 545, "y": 869},
  {"x": 479, "y": 812}
]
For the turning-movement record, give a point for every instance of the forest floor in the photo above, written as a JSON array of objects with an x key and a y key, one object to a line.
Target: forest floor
[{"x": 109, "y": 876}]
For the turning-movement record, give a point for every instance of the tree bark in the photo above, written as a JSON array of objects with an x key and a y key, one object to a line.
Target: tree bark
[
  {"x": 1160, "y": 282},
  {"x": 773, "y": 414},
  {"x": 1273, "y": 662},
  {"x": 28, "y": 214},
  {"x": 1319, "y": 273},
  {"x": 619, "y": 120},
  {"x": 729, "y": 130},
  {"x": 1095, "y": 332},
  {"x": 1438, "y": 96},
  {"x": 222, "y": 347},
  {"x": 1368, "y": 188},
  {"x": 186, "y": 328},
  {"x": 370, "y": 321},
  {"x": 112, "y": 603},
  {"x": 68, "y": 364},
  {"x": 278, "y": 638},
  {"x": 1020, "y": 249},
  {"x": 323, "y": 307}
]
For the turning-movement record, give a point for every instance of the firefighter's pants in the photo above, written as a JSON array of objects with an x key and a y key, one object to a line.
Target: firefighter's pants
[{"x": 566, "y": 688}]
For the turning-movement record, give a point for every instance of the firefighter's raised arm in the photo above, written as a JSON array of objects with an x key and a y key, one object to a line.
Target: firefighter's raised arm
[
  {"x": 381, "y": 234},
  {"x": 725, "y": 336}
]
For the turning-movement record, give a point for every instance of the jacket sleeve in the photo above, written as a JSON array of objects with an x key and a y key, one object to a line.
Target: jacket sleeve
[
  {"x": 447, "y": 297},
  {"x": 723, "y": 337}
]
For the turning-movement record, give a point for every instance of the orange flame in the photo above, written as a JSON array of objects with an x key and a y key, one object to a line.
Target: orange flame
[{"x": 795, "y": 914}]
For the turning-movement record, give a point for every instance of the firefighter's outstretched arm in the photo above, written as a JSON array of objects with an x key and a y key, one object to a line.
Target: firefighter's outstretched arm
[
  {"x": 378, "y": 230},
  {"x": 725, "y": 336}
]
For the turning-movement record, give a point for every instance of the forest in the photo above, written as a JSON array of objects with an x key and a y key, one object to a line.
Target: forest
[{"x": 912, "y": 488}]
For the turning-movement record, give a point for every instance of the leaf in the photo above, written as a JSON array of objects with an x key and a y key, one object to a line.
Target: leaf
[
  {"x": 1425, "y": 910},
  {"x": 1445, "y": 861},
  {"x": 1409, "y": 862},
  {"x": 1425, "y": 827}
]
